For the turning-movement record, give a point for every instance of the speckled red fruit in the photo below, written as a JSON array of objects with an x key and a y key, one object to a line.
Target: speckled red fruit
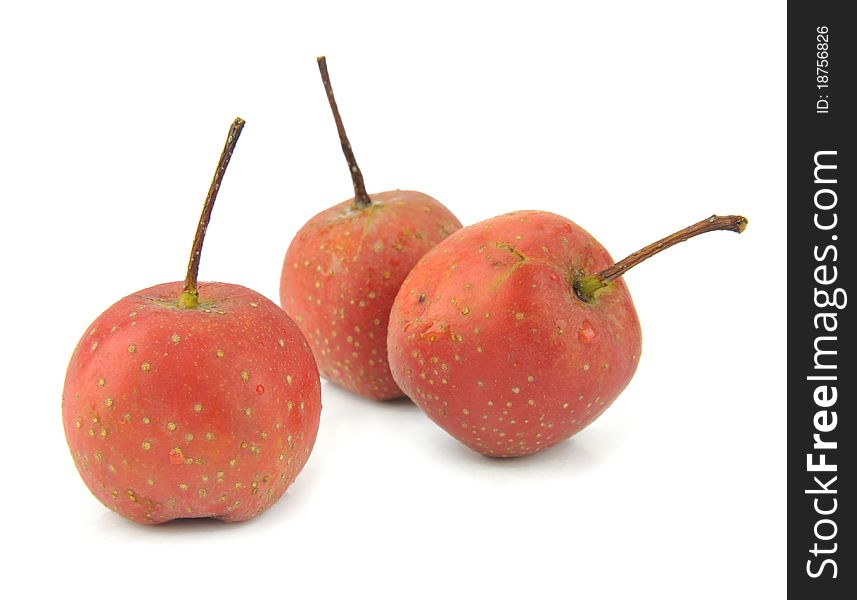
[
  {"x": 341, "y": 273},
  {"x": 489, "y": 338},
  {"x": 194, "y": 412}
]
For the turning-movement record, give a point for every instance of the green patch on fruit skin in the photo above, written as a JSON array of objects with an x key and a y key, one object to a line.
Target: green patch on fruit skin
[
  {"x": 185, "y": 303},
  {"x": 519, "y": 261},
  {"x": 350, "y": 211},
  {"x": 188, "y": 299},
  {"x": 511, "y": 249},
  {"x": 589, "y": 287}
]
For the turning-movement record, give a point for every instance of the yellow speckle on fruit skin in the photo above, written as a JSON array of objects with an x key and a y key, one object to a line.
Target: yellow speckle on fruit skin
[
  {"x": 171, "y": 426},
  {"x": 245, "y": 376},
  {"x": 197, "y": 408},
  {"x": 146, "y": 367},
  {"x": 175, "y": 338}
]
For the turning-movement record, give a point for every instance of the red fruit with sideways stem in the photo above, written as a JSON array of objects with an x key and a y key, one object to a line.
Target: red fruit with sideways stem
[
  {"x": 516, "y": 333},
  {"x": 191, "y": 399},
  {"x": 344, "y": 267}
]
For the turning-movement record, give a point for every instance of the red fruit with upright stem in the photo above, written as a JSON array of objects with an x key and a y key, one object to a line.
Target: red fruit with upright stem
[
  {"x": 344, "y": 267},
  {"x": 516, "y": 333},
  {"x": 192, "y": 400}
]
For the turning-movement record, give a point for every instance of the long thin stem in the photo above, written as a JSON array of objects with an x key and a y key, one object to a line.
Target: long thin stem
[
  {"x": 361, "y": 198},
  {"x": 587, "y": 286},
  {"x": 190, "y": 295}
]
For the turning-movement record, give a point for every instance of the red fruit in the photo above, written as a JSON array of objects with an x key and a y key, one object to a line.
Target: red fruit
[
  {"x": 162, "y": 409},
  {"x": 344, "y": 268},
  {"x": 191, "y": 400},
  {"x": 513, "y": 334}
]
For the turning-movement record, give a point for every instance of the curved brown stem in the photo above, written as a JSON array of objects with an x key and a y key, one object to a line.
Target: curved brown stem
[
  {"x": 190, "y": 294},
  {"x": 588, "y": 286},
  {"x": 361, "y": 198}
]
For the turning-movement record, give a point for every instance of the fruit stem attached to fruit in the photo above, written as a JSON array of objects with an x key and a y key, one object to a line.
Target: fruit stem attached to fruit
[
  {"x": 361, "y": 198},
  {"x": 190, "y": 295},
  {"x": 588, "y": 287}
]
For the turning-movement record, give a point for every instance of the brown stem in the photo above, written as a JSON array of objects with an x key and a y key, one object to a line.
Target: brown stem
[
  {"x": 190, "y": 295},
  {"x": 361, "y": 198},
  {"x": 588, "y": 286}
]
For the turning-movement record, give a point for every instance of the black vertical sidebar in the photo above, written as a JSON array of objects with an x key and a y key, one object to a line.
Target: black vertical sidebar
[{"x": 822, "y": 222}]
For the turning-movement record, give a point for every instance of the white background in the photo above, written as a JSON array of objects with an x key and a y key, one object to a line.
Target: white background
[{"x": 633, "y": 119}]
